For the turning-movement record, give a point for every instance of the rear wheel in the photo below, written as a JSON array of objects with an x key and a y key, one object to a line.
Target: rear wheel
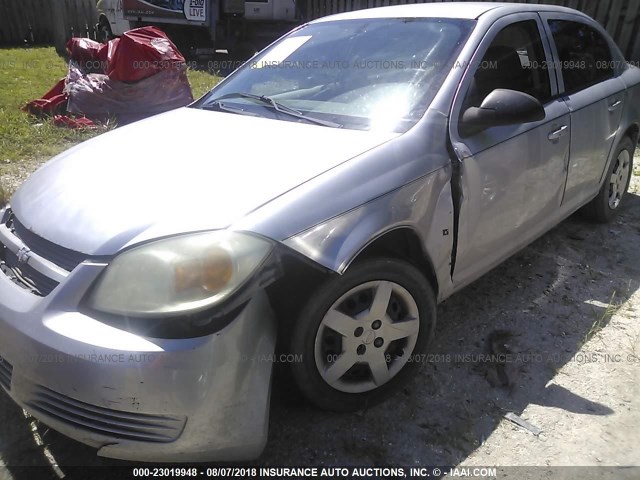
[
  {"x": 607, "y": 203},
  {"x": 359, "y": 334}
]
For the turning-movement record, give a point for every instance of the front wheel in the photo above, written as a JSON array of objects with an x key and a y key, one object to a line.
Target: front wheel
[{"x": 360, "y": 334}]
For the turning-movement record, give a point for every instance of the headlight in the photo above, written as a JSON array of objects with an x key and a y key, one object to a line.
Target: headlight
[{"x": 178, "y": 275}]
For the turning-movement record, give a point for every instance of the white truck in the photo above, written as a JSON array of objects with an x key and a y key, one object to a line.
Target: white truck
[{"x": 203, "y": 26}]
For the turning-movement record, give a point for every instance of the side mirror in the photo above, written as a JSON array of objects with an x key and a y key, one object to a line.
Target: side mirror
[{"x": 501, "y": 107}]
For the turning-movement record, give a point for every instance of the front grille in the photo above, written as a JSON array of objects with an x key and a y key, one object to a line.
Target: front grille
[
  {"x": 24, "y": 274},
  {"x": 6, "y": 371},
  {"x": 111, "y": 423},
  {"x": 63, "y": 257}
]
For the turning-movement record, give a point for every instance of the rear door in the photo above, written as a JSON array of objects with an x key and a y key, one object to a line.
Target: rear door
[{"x": 595, "y": 97}]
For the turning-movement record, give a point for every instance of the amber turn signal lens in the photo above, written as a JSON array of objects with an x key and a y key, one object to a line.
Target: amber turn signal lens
[{"x": 212, "y": 272}]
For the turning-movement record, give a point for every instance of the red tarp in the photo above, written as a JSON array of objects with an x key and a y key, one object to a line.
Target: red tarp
[
  {"x": 141, "y": 53},
  {"x": 55, "y": 100},
  {"x": 66, "y": 121},
  {"x": 91, "y": 55},
  {"x": 139, "y": 74}
]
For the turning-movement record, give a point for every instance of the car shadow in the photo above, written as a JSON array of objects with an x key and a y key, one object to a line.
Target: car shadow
[{"x": 544, "y": 303}]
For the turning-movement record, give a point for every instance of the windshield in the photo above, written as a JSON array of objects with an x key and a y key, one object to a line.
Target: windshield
[{"x": 365, "y": 74}]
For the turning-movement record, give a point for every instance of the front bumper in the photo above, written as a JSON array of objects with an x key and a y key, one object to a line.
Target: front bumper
[{"x": 135, "y": 398}]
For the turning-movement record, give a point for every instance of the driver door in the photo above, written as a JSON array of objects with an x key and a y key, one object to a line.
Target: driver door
[{"x": 512, "y": 177}]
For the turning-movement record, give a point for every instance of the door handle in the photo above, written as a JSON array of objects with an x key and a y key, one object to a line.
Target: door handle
[
  {"x": 556, "y": 134},
  {"x": 615, "y": 105}
]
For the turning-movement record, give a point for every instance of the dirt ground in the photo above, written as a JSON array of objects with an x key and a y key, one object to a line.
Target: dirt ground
[{"x": 567, "y": 309}]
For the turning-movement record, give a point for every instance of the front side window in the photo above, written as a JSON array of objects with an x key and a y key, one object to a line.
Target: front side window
[
  {"x": 366, "y": 74},
  {"x": 585, "y": 56},
  {"x": 515, "y": 60}
]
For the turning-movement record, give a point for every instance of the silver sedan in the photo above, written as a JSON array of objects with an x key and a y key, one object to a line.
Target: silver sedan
[{"x": 328, "y": 194}]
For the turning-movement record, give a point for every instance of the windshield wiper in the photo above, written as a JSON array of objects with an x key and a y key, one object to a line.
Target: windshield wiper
[
  {"x": 227, "y": 108},
  {"x": 276, "y": 106}
]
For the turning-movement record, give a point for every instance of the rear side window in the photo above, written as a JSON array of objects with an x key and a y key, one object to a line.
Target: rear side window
[{"x": 585, "y": 56}]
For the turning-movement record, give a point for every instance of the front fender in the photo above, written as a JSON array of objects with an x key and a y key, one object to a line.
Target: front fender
[{"x": 424, "y": 205}]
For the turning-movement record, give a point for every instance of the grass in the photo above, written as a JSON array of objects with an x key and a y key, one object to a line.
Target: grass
[
  {"x": 26, "y": 74},
  {"x": 201, "y": 82},
  {"x": 602, "y": 319}
]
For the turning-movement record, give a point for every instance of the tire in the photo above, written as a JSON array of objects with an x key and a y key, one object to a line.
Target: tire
[
  {"x": 104, "y": 31},
  {"x": 395, "y": 293},
  {"x": 604, "y": 207}
]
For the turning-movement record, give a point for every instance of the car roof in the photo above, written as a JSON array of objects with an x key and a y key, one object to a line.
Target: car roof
[{"x": 462, "y": 10}]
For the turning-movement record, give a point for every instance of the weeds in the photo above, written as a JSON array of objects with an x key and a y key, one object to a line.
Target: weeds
[{"x": 602, "y": 320}]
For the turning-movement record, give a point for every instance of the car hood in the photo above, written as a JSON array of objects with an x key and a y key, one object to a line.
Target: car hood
[{"x": 182, "y": 171}]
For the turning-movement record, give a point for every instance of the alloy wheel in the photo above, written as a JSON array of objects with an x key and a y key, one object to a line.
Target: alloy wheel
[
  {"x": 367, "y": 336},
  {"x": 619, "y": 179}
]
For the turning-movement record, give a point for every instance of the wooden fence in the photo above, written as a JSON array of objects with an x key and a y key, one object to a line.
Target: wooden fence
[
  {"x": 53, "y": 21},
  {"x": 46, "y": 21}
]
